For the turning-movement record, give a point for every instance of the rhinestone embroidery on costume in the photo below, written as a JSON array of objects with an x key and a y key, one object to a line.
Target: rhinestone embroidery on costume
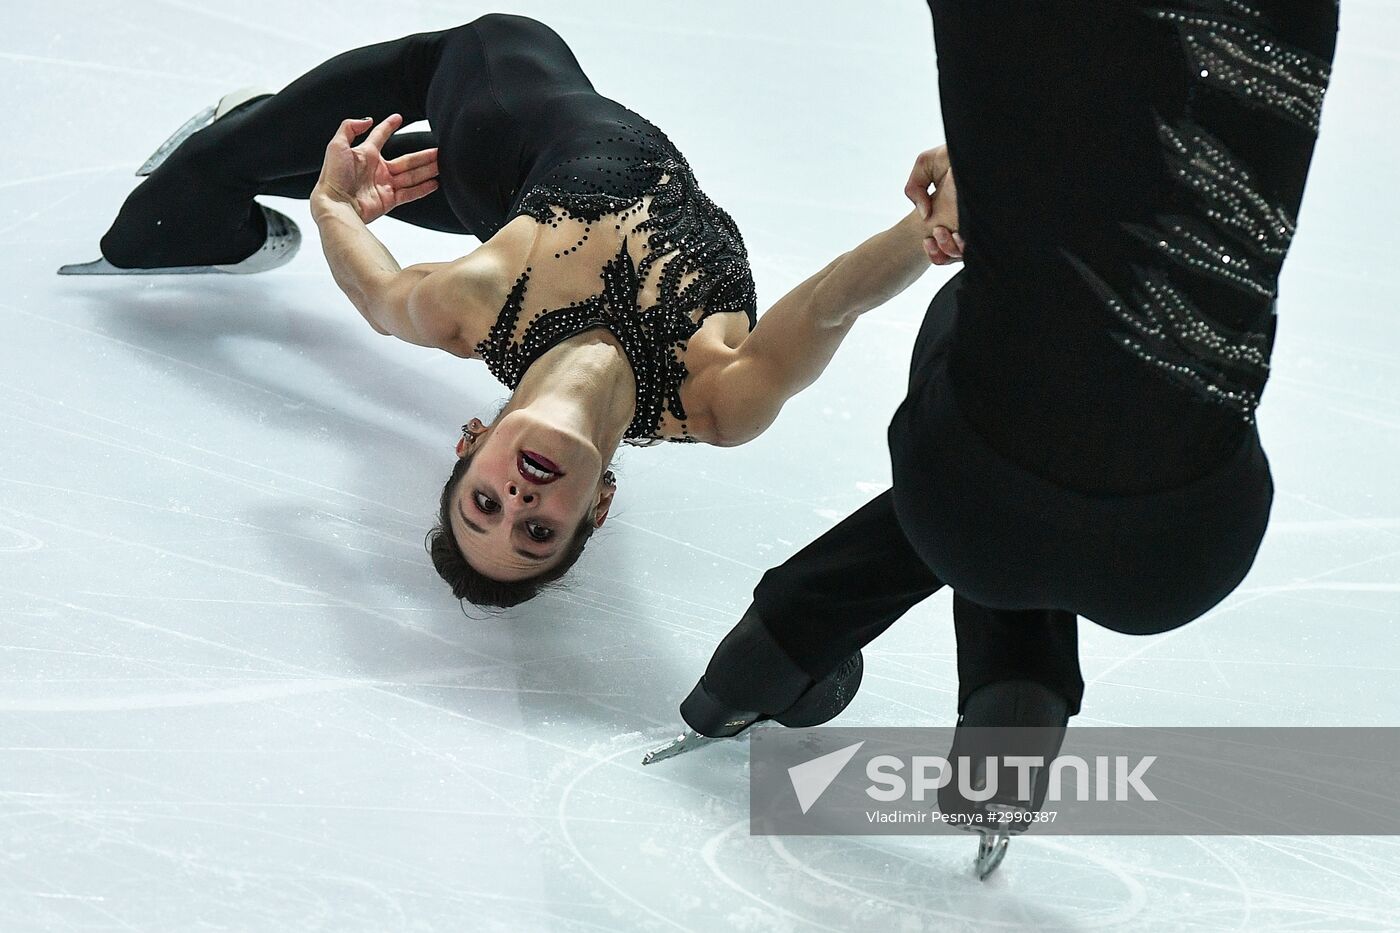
[
  {"x": 698, "y": 242},
  {"x": 1194, "y": 246},
  {"x": 647, "y": 340},
  {"x": 1261, "y": 71},
  {"x": 1241, "y": 238},
  {"x": 1185, "y": 343},
  {"x": 1225, "y": 189}
]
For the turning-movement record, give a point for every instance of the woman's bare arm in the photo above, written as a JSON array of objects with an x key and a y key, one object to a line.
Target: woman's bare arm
[
  {"x": 796, "y": 339},
  {"x": 368, "y": 274},
  {"x": 426, "y": 304}
]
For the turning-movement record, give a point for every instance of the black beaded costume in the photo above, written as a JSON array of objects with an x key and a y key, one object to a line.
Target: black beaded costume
[
  {"x": 520, "y": 130},
  {"x": 577, "y": 158},
  {"x": 692, "y": 244}
]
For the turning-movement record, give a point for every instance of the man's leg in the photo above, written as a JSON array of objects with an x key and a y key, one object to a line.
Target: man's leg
[
  {"x": 999, "y": 645},
  {"x": 817, "y": 609},
  {"x": 825, "y": 603}
]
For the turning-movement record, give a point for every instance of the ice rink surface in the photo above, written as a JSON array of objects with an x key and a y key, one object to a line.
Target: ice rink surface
[{"x": 234, "y": 695}]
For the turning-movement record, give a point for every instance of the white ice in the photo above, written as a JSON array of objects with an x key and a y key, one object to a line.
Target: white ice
[{"x": 233, "y": 694}]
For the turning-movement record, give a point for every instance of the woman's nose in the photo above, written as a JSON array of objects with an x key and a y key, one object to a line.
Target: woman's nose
[{"x": 515, "y": 493}]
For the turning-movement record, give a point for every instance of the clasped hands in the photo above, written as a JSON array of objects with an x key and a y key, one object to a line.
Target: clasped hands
[{"x": 938, "y": 207}]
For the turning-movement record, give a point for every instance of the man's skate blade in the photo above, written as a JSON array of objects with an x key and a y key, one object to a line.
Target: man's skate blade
[
  {"x": 686, "y": 741},
  {"x": 991, "y": 849},
  {"x": 103, "y": 267},
  {"x": 187, "y": 129}
]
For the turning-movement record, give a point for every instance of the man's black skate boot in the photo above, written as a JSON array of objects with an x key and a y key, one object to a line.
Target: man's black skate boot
[
  {"x": 1008, "y": 718},
  {"x": 820, "y": 702},
  {"x": 751, "y": 679}
]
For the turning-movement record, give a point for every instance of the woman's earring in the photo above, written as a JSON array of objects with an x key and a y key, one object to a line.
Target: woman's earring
[{"x": 470, "y": 432}]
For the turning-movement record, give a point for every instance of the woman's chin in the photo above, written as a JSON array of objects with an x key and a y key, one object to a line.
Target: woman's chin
[
  {"x": 566, "y": 448},
  {"x": 558, "y": 444}
]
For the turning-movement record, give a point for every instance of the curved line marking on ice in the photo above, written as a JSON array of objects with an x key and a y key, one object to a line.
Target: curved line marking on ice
[
  {"x": 708, "y": 853},
  {"x": 573, "y": 846}
]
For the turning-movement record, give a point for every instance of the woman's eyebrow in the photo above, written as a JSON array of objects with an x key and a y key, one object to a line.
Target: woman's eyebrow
[
  {"x": 469, "y": 523},
  {"x": 531, "y": 555}
]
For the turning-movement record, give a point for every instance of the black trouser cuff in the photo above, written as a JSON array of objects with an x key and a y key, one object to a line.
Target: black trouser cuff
[{"x": 751, "y": 671}]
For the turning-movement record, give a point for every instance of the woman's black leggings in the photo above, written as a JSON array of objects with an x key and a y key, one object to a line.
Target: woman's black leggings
[
  {"x": 1050, "y": 460},
  {"x": 197, "y": 208}
]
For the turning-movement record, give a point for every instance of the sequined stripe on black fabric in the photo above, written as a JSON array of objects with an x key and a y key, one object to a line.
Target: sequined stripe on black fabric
[
  {"x": 706, "y": 244},
  {"x": 1168, "y": 331},
  {"x": 1197, "y": 248},
  {"x": 1225, "y": 189},
  {"x": 684, "y": 227},
  {"x": 1258, "y": 69},
  {"x": 1238, "y": 238}
]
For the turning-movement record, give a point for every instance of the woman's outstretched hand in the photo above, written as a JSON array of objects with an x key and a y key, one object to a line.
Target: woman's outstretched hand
[
  {"x": 939, "y": 209},
  {"x": 360, "y": 176}
]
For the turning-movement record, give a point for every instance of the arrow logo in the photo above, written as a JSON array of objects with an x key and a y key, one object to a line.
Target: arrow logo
[{"x": 811, "y": 778}]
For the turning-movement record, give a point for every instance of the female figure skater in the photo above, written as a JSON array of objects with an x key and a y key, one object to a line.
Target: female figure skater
[
  {"x": 1079, "y": 434},
  {"x": 609, "y": 292}
]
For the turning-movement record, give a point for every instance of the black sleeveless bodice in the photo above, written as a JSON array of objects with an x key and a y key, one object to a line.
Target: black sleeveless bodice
[{"x": 571, "y": 158}]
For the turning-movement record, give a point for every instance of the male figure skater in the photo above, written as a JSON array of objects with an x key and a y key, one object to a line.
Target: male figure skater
[{"x": 1078, "y": 438}]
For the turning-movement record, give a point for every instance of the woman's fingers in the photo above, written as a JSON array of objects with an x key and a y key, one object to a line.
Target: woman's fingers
[
  {"x": 349, "y": 129},
  {"x": 404, "y": 195},
  {"x": 929, "y": 169},
  {"x": 414, "y": 176},
  {"x": 381, "y": 133},
  {"x": 918, "y": 193},
  {"x": 948, "y": 242},
  {"x": 413, "y": 160},
  {"x": 920, "y": 179}
]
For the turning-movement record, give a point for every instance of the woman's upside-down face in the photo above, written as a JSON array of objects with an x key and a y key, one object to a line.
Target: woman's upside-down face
[{"x": 528, "y": 487}]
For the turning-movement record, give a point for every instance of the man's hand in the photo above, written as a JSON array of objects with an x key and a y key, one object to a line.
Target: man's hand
[
  {"x": 359, "y": 175},
  {"x": 942, "y": 242}
]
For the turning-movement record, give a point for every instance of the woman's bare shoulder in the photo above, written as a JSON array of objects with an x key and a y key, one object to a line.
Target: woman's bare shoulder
[
  {"x": 709, "y": 356},
  {"x": 467, "y": 294}
]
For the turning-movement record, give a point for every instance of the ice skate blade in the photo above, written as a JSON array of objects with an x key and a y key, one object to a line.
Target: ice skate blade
[
  {"x": 991, "y": 849},
  {"x": 103, "y": 267},
  {"x": 282, "y": 242},
  {"x": 196, "y": 123},
  {"x": 686, "y": 741}
]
